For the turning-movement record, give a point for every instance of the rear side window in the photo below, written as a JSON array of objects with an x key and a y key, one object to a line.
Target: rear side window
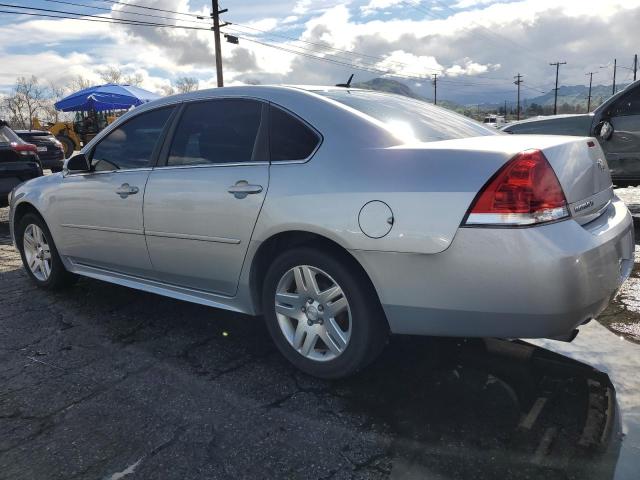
[
  {"x": 7, "y": 135},
  {"x": 290, "y": 138},
  {"x": 131, "y": 145},
  {"x": 218, "y": 131}
]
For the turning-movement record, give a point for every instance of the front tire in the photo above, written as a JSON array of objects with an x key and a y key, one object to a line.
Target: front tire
[
  {"x": 39, "y": 254},
  {"x": 322, "y": 312}
]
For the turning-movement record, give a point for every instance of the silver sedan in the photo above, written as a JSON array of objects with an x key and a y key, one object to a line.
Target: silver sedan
[{"x": 341, "y": 215}]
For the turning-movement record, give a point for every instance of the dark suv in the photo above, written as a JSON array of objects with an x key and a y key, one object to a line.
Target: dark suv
[
  {"x": 50, "y": 150},
  {"x": 19, "y": 162}
]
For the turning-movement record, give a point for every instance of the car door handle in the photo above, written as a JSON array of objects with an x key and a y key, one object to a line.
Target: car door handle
[
  {"x": 125, "y": 190},
  {"x": 241, "y": 189}
]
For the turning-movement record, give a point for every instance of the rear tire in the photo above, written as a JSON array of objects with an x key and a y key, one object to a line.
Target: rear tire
[
  {"x": 39, "y": 254},
  {"x": 323, "y": 313}
]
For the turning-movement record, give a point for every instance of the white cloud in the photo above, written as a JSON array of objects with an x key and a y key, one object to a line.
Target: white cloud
[
  {"x": 494, "y": 41},
  {"x": 374, "y": 5},
  {"x": 406, "y": 63}
]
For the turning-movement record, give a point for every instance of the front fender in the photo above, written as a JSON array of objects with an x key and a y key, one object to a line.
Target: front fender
[{"x": 34, "y": 193}]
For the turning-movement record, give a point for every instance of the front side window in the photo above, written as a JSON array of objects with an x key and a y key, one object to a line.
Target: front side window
[
  {"x": 627, "y": 105},
  {"x": 132, "y": 144},
  {"x": 289, "y": 137},
  {"x": 218, "y": 131}
]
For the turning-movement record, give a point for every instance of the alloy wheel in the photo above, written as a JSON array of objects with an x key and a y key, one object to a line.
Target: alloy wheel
[
  {"x": 313, "y": 313},
  {"x": 37, "y": 252}
]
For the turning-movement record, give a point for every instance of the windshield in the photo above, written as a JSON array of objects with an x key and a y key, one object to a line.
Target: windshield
[{"x": 408, "y": 119}]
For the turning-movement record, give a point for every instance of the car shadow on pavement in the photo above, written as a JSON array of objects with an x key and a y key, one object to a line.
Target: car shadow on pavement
[{"x": 99, "y": 379}]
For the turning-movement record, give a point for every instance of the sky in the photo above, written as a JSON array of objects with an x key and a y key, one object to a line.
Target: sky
[{"x": 475, "y": 47}]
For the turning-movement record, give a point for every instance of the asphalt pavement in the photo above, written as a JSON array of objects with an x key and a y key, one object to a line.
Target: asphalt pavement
[{"x": 104, "y": 382}]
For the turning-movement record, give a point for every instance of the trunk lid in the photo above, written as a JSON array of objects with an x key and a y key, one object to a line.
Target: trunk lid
[
  {"x": 579, "y": 164},
  {"x": 581, "y": 168}
]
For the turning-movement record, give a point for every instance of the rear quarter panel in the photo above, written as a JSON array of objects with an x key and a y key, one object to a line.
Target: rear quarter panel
[{"x": 428, "y": 189}]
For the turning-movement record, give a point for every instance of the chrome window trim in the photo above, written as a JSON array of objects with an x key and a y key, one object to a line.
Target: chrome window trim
[
  {"x": 102, "y": 172},
  {"x": 209, "y": 165}
]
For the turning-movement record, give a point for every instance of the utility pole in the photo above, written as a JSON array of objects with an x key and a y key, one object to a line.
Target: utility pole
[
  {"x": 615, "y": 67},
  {"x": 635, "y": 66},
  {"x": 505, "y": 109},
  {"x": 435, "y": 88},
  {"x": 589, "y": 97},
  {"x": 215, "y": 14},
  {"x": 555, "y": 101},
  {"x": 518, "y": 82}
]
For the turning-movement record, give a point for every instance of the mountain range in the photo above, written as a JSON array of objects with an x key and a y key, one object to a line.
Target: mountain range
[{"x": 571, "y": 98}]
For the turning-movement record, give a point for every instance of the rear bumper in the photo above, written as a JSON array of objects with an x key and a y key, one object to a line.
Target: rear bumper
[
  {"x": 537, "y": 282},
  {"x": 14, "y": 173}
]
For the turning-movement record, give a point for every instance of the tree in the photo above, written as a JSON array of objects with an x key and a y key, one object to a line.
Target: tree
[
  {"x": 25, "y": 101},
  {"x": 48, "y": 111},
  {"x": 79, "y": 83},
  {"x": 113, "y": 74},
  {"x": 186, "y": 84},
  {"x": 167, "y": 90}
]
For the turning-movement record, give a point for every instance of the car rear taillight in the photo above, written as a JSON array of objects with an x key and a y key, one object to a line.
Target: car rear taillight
[
  {"x": 525, "y": 191},
  {"x": 25, "y": 149}
]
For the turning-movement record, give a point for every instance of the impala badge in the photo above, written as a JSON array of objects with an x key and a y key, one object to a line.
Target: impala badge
[
  {"x": 583, "y": 206},
  {"x": 600, "y": 164}
]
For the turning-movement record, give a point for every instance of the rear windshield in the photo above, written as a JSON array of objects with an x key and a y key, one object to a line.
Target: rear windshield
[
  {"x": 7, "y": 135},
  {"x": 409, "y": 119}
]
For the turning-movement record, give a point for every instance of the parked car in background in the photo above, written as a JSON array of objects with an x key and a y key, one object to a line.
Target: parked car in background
[
  {"x": 50, "y": 150},
  {"x": 18, "y": 161},
  {"x": 496, "y": 121},
  {"x": 340, "y": 215},
  {"x": 616, "y": 125}
]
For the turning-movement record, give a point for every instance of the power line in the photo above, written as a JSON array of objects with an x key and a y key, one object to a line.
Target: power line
[
  {"x": 105, "y": 9},
  {"x": 94, "y": 17},
  {"x": 131, "y": 21},
  {"x": 327, "y": 46},
  {"x": 408, "y": 74},
  {"x": 503, "y": 40},
  {"x": 100, "y": 19},
  {"x": 117, "y": 2}
]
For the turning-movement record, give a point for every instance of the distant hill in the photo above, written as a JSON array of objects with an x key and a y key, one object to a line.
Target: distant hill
[
  {"x": 571, "y": 99},
  {"x": 575, "y": 95},
  {"x": 390, "y": 86},
  {"x": 393, "y": 86}
]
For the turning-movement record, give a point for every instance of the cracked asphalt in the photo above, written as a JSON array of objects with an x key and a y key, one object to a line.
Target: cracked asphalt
[{"x": 104, "y": 382}]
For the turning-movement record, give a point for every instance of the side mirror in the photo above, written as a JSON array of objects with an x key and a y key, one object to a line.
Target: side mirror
[
  {"x": 78, "y": 163},
  {"x": 604, "y": 130}
]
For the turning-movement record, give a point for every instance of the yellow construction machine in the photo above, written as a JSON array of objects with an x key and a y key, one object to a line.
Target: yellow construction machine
[{"x": 75, "y": 134}]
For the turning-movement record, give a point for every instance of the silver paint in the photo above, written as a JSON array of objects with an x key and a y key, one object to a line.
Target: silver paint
[{"x": 186, "y": 236}]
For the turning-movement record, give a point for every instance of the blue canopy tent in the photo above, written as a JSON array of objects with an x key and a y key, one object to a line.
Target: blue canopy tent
[{"x": 105, "y": 97}]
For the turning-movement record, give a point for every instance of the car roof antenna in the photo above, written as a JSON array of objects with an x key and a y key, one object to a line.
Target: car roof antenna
[{"x": 346, "y": 85}]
